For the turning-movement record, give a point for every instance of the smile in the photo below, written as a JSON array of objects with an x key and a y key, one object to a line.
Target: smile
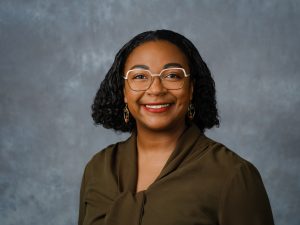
[{"x": 157, "y": 106}]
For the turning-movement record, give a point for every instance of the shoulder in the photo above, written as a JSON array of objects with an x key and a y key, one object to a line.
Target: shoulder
[
  {"x": 103, "y": 154},
  {"x": 225, "y": 161},
  {"x": 234, "y": 175},
  {"x": 105, "y": 158},
  {"x": 242, "y": 195},
  {"x": 206, "y": 147}
]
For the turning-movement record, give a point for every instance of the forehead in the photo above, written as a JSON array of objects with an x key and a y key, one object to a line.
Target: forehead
[{"x": 156, "y": 54}]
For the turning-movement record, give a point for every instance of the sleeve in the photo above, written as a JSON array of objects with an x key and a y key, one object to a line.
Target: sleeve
[
  {"x": 82, "y": 205},
  {"x": 244, "y": 199}
]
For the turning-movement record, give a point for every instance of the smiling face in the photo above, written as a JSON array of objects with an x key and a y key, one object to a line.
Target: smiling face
[{"x": 158, "y": 108}]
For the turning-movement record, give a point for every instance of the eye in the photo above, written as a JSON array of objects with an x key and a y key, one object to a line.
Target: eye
[
  {"x": 139, "y": 76},
  {"x": 172, "y": 76}
]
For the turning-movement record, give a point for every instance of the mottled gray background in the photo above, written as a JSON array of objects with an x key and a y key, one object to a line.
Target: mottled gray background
[{"x": 53, "y": 55}]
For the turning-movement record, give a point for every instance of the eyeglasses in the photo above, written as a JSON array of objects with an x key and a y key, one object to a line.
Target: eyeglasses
[{"x": 141, "y": 79}]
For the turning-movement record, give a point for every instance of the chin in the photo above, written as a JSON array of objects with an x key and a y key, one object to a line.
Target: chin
[{"x": 161, "y": 125}]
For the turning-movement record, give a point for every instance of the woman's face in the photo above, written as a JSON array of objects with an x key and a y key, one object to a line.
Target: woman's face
[{"x": 158, "y": 108}]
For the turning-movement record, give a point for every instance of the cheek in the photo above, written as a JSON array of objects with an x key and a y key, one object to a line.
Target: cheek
[
  {"x": 131, "y": 97},
  {"x": 186, "y": 95},
  {"x": 128, "y": 95},
  {"x": 184, "y": 102}
]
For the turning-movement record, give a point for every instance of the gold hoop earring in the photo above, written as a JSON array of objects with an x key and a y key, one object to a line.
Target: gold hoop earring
[
  {"x": 126, "y": 114},
  {"x": 191, "y": 111}
]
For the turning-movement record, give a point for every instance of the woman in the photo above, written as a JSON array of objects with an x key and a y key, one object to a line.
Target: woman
[{"x": 168, "y": 172}]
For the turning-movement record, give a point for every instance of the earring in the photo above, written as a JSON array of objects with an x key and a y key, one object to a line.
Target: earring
[
  {"x": 191, "y": 111},
  {"x": 126, "y": 114}
]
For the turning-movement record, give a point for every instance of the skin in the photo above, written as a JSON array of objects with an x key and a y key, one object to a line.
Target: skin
[{"x": 157, "y": 130}]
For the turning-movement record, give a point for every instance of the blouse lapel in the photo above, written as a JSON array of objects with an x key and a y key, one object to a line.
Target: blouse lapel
[
  {"x": 184, "y": 149},
  {"x": 127, "y": 168}
]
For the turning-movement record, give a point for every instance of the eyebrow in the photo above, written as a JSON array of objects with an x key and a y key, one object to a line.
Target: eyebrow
[
  {"x": 140, "y": 67},
  {"x": 168, "y": 65}
]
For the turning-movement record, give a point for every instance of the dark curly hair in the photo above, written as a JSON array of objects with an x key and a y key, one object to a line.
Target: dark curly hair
[{"x": 108, "y": 105}]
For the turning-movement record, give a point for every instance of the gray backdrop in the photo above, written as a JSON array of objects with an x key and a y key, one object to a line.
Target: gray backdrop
[{"x": 54, "y": 54}]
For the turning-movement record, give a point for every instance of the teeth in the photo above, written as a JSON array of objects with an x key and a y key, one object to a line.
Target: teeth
[{"x": 157, "y": 106}]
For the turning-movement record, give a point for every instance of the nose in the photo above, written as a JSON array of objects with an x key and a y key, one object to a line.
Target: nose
[{"x": 156, "y": 88}]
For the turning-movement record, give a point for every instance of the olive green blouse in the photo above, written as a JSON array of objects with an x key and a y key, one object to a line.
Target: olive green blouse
[{"x": 202, "y": 183}]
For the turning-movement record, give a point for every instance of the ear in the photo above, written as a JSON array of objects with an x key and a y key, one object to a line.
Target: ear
[
  {"x": 124, "y": 93},
  {"x": 191, "y": 90}
]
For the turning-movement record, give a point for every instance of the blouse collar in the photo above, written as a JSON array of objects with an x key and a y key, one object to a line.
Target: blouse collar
[{"x": 127, "y": 169}]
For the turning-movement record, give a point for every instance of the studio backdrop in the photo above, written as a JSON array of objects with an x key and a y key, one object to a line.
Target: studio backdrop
[{"x": 55, "y": 53}]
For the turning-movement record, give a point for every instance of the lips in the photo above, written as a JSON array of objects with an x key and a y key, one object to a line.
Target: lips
[{"x": 157, "y": 108}]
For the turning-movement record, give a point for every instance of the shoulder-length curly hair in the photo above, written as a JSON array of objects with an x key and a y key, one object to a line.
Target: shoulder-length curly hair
[{"x": 108, "y": 105}]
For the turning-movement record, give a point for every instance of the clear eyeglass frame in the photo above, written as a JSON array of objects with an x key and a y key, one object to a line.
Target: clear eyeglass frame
[{"x": 156, "y": 75}]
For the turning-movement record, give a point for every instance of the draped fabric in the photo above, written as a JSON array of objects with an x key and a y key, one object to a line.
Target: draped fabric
[{"x": 203, "y": 183}]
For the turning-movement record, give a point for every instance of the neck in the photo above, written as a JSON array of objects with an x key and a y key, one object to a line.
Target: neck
[{"x": 158, "y": 142}]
